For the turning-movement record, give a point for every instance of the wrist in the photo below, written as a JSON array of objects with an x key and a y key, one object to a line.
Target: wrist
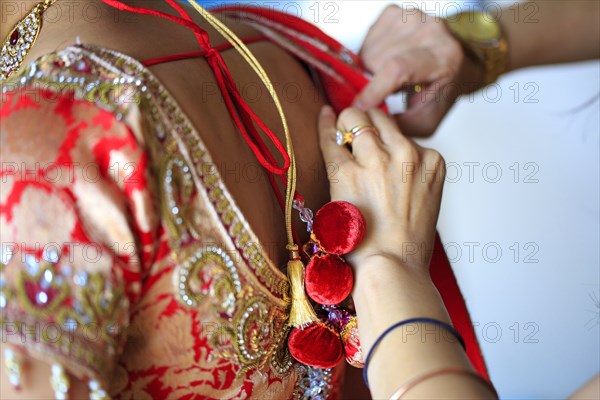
[
  {"x": 386, "y": 291},
  {"x": 384, "y": 276}
]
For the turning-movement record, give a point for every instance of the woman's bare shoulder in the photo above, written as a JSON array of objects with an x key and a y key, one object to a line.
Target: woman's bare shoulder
[{"x": 96, "y": 23}]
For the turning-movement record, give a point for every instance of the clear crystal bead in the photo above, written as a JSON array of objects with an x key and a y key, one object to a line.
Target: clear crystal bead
[{"x": 32, "y": 264}]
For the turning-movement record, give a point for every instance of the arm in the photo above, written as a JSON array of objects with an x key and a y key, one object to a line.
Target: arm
[
  {"x": 398, "y": 186},
  {"x": 551, "y": 32},
  {"x": 406, "y": 46},
  {"x": 590, "y": 390}
]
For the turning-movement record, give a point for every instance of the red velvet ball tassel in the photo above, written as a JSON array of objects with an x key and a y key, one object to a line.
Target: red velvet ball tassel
[
  {"x": 316, "y": 345},
  {"x": 339, "y": 227},
  {"x": 328, "y": 279}
]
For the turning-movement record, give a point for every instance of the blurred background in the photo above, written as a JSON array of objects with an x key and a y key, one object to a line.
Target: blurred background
[{"x": 520, "y": 213}]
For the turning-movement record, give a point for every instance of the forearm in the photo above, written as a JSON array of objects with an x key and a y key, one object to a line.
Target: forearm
[
  {"x": 549, "y": 32},
  {"x": 385, "y": 293}
]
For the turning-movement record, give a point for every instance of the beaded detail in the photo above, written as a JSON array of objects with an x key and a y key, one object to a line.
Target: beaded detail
[
  {"x": 13, "y": 368},
  {"x": 59, "y": 381},
  {"x": 20, "y": 40},
  {"x": 315, "y": 383}
]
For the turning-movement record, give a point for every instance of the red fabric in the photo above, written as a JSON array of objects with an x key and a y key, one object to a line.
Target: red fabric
[
  {"x": 328, "y": 279},
  {"x": 317, "y": 345},
  {"x": 339, "y": 227},
  {"x": 445, "y": 281},
  {"x": 340, "y": 95}
]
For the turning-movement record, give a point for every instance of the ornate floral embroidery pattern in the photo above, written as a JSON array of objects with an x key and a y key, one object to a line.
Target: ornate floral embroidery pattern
[
  {"x": 253, "y": 329},
  {"x": 5, "y": 291},
  {"x": 256, "y": 330},
  {"x": 63, "y": 311},
  {"x": 177, "y": 187},
  {"x": 40, "y": 290},
  {"x": 210, "y": 272}
]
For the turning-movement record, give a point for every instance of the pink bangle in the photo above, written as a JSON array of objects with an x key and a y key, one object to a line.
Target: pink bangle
[{"x": 402, "y": 390}]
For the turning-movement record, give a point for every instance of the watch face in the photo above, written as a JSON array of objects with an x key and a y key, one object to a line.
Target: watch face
[{"x": 475, "y": 26}]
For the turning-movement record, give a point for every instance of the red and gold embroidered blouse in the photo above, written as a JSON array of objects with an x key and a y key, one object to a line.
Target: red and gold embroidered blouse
[{"x": 124, "y": 256}]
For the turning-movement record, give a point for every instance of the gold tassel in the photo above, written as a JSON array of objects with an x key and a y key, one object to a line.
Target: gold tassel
[{"x": 301, "y": 312}]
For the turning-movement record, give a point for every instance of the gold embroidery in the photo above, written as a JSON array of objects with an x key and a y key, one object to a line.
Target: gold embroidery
[
  {"x": 177, "y": 188},
  {"x": 209, "y": 272},
  {"x": 99, "y": 303},
  {"x": 39, "y": 292},
  {"x": 257, "y": 329},
  {"x": 256, "y": 334}
]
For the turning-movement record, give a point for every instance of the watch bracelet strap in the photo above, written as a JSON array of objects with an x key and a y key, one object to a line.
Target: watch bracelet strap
[{"x": 495, "y": 62}]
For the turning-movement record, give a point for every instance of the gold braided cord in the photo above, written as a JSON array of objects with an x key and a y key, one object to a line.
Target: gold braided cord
[{"x": 243, "y": 50}]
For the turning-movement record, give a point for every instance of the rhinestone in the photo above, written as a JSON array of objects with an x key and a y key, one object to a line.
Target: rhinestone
[
  {"x": 50, "y": 254},
  {"x": 80, "y": 278},
  {"x": 42, "y": 298},
  {"x": 47, "y": 278},
  {"x": 66, "y": 270},
  {"x": 32, "y": 264},
  {"x": 339, "y": 138}
]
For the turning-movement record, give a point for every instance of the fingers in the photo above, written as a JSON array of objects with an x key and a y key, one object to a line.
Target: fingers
[
  {"x": 366, "y": 146},
  {"x": 378, "y": 42},
  {"x": 388, "y": 130},
  {"x": 417, "y": 66},
  {"x": 332, "y": 153}
]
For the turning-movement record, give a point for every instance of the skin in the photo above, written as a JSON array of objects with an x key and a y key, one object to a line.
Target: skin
[
  {"x": 405, "y": 47},
  {"x": 591, "y": 390}
]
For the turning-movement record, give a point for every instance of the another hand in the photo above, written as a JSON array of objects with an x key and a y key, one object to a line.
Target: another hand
[
  {"x": 406, "y": 47},
  {"x": 396, "y": 183}
]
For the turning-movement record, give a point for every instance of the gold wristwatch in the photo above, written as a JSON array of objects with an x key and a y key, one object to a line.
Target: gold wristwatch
[{"x": 482, "y": 37}]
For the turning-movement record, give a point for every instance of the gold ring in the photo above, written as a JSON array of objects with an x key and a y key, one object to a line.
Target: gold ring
[
  {"x": 346, "y": 137},
  {"x": 360, "y": 129}
]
